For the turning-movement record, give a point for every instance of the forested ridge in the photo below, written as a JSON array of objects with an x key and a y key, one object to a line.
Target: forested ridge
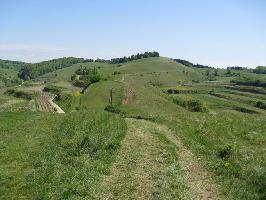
[
  {"x": 14, "y": 65},
  {"x": 31, "y": 71}
]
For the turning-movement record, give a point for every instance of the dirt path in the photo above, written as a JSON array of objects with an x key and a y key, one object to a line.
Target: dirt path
[
  {"x": 153, "y": 164},
  {"x": 56, "y": 107},
  {"x": 200, "y": 182}
]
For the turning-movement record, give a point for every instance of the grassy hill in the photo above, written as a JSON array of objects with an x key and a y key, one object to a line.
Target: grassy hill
[
  {"x": 163, "y": 70},
  {"x": 169, "y": 128}
]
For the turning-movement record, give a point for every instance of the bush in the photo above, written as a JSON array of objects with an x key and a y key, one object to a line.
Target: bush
[
  {"x": 19, "y": 94},
  {"x": 52, "y": 89},
  {"x": 86, "y": 77},
  {"x": 193, "y": 105},
  {"x": 79, "y": 83},
  {"x": 116, "y": 72},
  {"x": 156, "y": 83},
  {"x": 261, "y": 105},
  {"x": 225, "y": 152},
  {"x": 113, "y": 109}
]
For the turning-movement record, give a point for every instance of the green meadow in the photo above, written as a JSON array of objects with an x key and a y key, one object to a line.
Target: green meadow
[{"x": 170, "y": 132}]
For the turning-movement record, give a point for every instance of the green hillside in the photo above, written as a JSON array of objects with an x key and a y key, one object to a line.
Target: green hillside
[
  {"x": 163, "y": 70},
  {"x": 170, "y": 132},
  {"x": 9, "y": 72}
]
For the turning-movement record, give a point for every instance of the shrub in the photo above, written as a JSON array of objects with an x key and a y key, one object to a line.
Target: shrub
[
  {"x": 86, "y": 77},
  {"x": 261, "y": 105},
  {"x": 195, "y": 105},
  {"x": 113, "y": 109},
  {"x": 116, "y": 72},
  {"x": 19, "y": 94},
  {"x": 52, "y": 89},
  {"x": 156, "y": 83},
  {"x": 79, "y": 83},
  {"x": 225, "y": 152}
]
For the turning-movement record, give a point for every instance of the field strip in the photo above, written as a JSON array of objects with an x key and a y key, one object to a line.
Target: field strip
[
  {"x": 45, "y": 103},
  {"x": 11, "y": 102}
]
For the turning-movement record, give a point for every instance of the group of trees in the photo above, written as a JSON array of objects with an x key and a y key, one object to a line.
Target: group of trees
[
  {"x": 14, "y": 65},
  {"x": 126, "y": 59},
  {"x": 6, "y": 80},
  {"x": 8, "y": 70},
  {"x": 135, "y": 57},
  {"x": 31, "y": 71},
  {"x": 260, "y": 70},
  {"x": 237, "y": 68},
  {"x": 189, "y": 64},
  {"x": 83, "y": 77}
]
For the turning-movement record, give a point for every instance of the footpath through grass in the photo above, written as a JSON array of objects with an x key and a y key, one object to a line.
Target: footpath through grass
[{"x": 146, "y": 167}]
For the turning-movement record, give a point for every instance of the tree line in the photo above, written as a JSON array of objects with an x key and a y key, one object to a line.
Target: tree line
[
  {"x": 189, "y": 64},
  {"x": 260, "y": 70},
  {"x": 126, "y": 59},
  {"x": 14, "y": 65},
  {"x": 31, "y": 71},
  {"x": 257, "y": 70}
]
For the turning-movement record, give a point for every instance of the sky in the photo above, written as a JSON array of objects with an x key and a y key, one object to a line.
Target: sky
[{"x": 218, "y": 33}]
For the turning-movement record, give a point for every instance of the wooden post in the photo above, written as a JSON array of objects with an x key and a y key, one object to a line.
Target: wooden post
[{"x": 111, "y": 97}]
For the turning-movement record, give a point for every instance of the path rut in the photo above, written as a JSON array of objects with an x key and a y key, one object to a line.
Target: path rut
[{"x": 144, "y": 169}]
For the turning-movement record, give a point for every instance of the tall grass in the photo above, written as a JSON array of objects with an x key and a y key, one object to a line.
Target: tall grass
[{"x": 56, "y": 157}]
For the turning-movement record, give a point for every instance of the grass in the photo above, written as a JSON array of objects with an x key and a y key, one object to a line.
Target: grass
[
  {"x": 65, "y": 74},
  {"x": 59, "y": 157},
  {"x": 162, "y": 70},
  {"x": 207, "y": 134},
  {"x": 146, "y": 167},
  {"x": 96, "y": 97},
  {"x": 66, "y": 156},
  {"x": 242, "y": 176}
]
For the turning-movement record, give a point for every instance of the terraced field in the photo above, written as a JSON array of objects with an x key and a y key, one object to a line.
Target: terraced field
[{"x": 42, "y": 102}]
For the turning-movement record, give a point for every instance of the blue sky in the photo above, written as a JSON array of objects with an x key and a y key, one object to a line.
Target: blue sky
[{"x": 212, "y": 32}]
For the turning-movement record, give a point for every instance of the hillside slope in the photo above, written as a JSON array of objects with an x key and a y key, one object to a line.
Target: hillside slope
[
  {"x": 162, "y": 70},
  {"x": 183, "y": 137}
]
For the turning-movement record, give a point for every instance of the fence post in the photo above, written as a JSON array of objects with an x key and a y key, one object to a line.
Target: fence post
[{"x": 111, "y": 97}]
